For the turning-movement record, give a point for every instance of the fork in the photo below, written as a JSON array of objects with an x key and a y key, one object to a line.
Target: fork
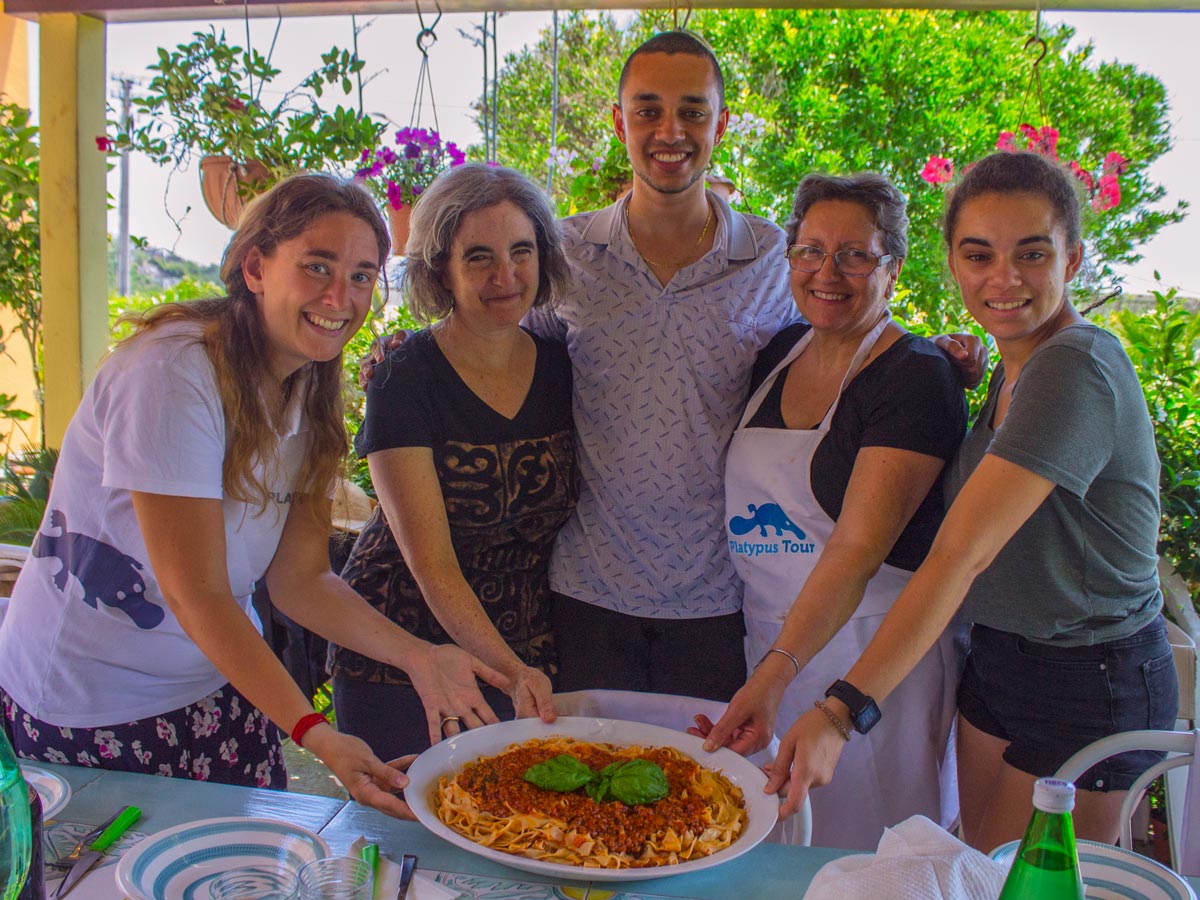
[{"x": 66, "y": 862}]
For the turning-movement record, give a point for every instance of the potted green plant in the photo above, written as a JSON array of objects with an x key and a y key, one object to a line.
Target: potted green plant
[
  {"x": 396, "y": 177},
  {"x": 206, "y": 103}
]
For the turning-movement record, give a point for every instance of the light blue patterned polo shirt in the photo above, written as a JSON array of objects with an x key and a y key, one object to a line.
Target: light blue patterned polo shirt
[{"x": 661, "y": 375}]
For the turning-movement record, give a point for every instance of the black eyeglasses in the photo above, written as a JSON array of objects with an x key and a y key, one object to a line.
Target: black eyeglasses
[{"x": 855, "y": 263}]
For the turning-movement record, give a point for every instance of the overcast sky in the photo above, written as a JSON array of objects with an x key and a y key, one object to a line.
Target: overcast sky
[{"x": 1161, "y": 43}]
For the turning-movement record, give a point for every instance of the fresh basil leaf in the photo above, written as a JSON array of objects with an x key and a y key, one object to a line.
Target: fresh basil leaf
[
  {"x": 638, "y": 781},
  {"x": 560, "y": 773},
  {"x": 599, "y": 789}
]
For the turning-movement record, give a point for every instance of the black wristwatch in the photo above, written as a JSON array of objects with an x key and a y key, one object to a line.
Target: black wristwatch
[{"x": 864, "y": 712}]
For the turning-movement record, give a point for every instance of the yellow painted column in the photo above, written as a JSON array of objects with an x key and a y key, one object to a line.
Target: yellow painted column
[
  {"x": 73, "y": 206},
  {"x": 16, "y": 363}
]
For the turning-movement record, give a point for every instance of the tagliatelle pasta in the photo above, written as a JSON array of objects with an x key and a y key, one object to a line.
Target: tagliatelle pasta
[{"x": 490, "y": 802}]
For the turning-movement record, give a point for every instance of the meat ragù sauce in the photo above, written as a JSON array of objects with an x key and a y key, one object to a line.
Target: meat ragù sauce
[{"x": 497, "y": 784}]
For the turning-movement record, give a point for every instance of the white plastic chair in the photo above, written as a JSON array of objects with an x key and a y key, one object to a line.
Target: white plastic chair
[
  {"x": 671, "y": 711},
  {"x": 1180, "y": 747}
]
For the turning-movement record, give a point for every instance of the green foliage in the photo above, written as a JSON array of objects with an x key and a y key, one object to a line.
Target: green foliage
[
  {"x": 591, "y": 51},
  {"x": 1164, "y": 345},
  {"x": 207, "y": 100},
  {"x": 24, "y": 490},
  {"x": 187, "y": 289},
  {"x": 879, "y": 90},
  {"x": 20, "y": 240}
]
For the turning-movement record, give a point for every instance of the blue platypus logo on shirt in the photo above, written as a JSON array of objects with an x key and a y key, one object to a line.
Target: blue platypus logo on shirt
[
  {"x": 106, "y": 574},
  {"x": 769, "y": 515}
]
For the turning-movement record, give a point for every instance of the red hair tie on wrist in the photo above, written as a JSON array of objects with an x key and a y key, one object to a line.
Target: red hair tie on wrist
[{"x": 304, "y": 725}]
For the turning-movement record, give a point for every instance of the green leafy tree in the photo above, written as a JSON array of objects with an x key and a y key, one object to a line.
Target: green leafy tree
[
  {"x": 881, "y": 90},
  {"x": 20, "y": 246},
  {"x": 1164, "y": 344}
]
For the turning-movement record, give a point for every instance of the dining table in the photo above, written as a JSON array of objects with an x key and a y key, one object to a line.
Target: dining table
[{"x": 766, "y": 872}]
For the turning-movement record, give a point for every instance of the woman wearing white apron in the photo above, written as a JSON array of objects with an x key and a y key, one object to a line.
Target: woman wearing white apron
[{"x": 832, "y": 497}]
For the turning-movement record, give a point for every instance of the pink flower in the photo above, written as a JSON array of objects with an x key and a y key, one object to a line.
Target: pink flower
[
  {"x": 938, "y": 170},
  {"x": 1046, "y": 143},
  {"x": 1084, "y": 175},
  {"x": 105, "y": 144},
  {"x": 395, "y": 195},
  {"x": 1109, "y": 195},
  {"x": 1115, "y": 164},
  {"x": 1030, "y": 133},
  {"x": 1007, "y": 142}
]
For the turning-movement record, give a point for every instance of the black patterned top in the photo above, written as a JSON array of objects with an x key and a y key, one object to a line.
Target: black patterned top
[{"x": 509, "y": 485}]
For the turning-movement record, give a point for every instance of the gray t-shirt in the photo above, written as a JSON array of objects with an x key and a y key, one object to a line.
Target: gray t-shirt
[{"x": 1083, "y": 569}]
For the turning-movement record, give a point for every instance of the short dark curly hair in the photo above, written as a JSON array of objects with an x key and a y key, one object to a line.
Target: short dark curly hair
[
  {"x": 872, "y": 192},
  {"x": 672, "y": 42},
  {"x": 1018, "y": 173}
]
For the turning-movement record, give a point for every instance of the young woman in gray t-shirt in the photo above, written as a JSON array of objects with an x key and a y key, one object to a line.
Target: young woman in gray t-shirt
[{"x": 1049, "y": 544}]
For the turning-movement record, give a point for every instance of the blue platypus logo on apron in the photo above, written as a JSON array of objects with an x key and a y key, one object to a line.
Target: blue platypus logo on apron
[
  {"x": 762, "y": 517},
  {"x": 106, "y": 574},
  {"x": 769, "y": 515}
]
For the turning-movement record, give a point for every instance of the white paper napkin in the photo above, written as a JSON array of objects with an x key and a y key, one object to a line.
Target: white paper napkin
[
  {"x": 387, "y": 880},
  {"x": 916, "y": 860}
]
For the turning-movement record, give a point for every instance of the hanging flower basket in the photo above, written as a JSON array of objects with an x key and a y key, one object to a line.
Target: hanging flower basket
[
  {"x": 399, "y": 218},
  {"x": 227, "y": 185}
]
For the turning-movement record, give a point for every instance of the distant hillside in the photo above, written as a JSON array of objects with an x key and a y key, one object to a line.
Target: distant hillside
[{"x": 153, "y": 269}]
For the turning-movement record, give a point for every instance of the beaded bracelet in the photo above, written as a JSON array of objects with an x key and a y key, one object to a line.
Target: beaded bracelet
[
  {"x": 795, "y": 662},
  {"x": 832, "y": 717},
  {"x": 305, "y": 724}
]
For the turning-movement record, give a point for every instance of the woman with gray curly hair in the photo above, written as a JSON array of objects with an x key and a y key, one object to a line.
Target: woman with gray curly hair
[
  {"x": 833, "y": 496},
  {"x": 468, "y": 435}
]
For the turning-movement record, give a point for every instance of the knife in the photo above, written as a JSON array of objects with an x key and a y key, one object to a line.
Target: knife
[
  {"x": 96, "y": 849},
  {"x": 407, "y": 866}
]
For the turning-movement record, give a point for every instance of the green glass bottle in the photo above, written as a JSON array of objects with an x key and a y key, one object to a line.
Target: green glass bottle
[
  {"x": 15, "y": 829},
  {"x": 1046, "y": 866}
]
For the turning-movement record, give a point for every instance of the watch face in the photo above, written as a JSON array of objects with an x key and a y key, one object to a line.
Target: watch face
[{"x": 868, "y": 717}]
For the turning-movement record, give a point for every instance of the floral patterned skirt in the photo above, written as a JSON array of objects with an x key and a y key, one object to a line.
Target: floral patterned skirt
[{"x": 221, "y": 738}]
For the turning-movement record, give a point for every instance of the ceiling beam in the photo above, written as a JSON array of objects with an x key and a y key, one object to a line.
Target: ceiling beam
[{"x": 203, "y": 10}]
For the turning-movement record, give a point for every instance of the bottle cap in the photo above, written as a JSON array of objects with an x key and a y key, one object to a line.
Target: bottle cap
[{"x": 1053, "y": 796}]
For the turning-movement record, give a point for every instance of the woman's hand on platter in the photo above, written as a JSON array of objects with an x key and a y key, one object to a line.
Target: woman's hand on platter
[
  {"x": 969, "y": 355},
  {"x": 808, "y": 754},
  {"x": 444, "y": 675},
  {"x": 380, "y": 347},
  {"x": 367, "y": 779},
  {"x": 749, "y": 721},
  {"x": 533, "y": 695}
]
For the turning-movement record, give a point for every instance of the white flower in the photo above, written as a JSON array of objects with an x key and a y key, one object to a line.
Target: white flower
[
  {"x": 561, "y": 158},
  {"x": 56, "y": 756},
  {"x": 747, "y": 125}
]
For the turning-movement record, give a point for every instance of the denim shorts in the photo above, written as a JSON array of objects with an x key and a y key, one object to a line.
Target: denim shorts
[{"x": 1049, "y": 702}]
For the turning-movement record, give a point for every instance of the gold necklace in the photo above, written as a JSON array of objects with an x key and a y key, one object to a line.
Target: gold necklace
[{"x": 668, "y": 265}]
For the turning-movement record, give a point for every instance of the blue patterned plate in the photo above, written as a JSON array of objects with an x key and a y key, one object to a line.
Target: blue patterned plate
[
  {"x": 53, "y": 790},
  {"x": 1110, "y": 873},
  {"x": 178, "y": 863}
]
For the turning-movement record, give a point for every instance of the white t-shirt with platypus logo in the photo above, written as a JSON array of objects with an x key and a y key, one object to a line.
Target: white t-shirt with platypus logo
[{"x": 86, "y": 639}]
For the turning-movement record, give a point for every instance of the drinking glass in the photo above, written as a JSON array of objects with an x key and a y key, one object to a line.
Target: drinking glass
[
  {"x": 336, "y": 878},
  {"x": 255, "y": 883}
]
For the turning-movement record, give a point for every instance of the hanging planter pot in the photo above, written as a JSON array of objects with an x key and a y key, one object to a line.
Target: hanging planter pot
[
  {"x": 227, "y": 183},
  {"x": 399, "y": 220}
]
